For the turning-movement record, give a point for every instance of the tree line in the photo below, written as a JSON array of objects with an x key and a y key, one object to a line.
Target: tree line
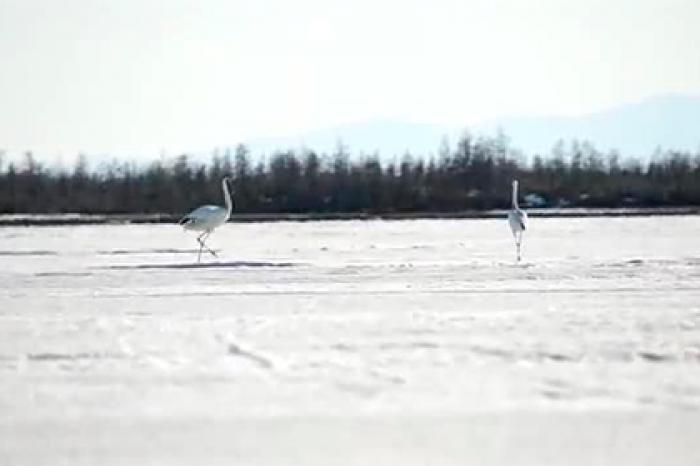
[{"x": 474, "y": 174}]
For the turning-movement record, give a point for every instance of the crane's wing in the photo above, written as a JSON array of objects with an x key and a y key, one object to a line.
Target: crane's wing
[{"x": 202, "y": 213}]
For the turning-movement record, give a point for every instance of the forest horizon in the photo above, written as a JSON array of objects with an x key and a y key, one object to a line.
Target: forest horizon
[{"x": 475, "y": 174}]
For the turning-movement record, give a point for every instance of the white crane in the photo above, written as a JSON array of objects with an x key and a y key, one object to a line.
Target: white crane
[
  {"x": 517, "y": 219},
  {"x": 208, "y": 217}
]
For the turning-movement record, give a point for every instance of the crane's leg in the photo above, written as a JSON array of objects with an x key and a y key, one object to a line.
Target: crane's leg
[
  {"x": 202, "y": 243},
  {"x": 518, "y": 241}
]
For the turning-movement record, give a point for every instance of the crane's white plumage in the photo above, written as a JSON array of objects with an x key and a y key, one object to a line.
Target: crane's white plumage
[
  {"x": 208, "y": 217},
  {"x": 517, "y": 219}
]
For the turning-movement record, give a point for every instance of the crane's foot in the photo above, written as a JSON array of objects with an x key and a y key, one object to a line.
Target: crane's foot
[{"x": 203, "y": 245}]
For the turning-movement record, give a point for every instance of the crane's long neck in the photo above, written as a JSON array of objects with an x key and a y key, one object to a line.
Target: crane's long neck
[
  {"x": 227, "y": 197},
  {"x": 515, "y": 195}
]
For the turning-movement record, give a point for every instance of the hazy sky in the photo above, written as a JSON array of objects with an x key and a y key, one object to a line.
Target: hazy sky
[{"x": 141, "y": 76}]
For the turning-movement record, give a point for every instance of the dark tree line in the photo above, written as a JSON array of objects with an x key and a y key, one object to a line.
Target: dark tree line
[{"x": 473, "y": 175}]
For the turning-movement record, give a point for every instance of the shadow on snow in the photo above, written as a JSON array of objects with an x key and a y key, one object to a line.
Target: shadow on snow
[
  {"x": 202, "y": 265},
  {"x": 120, "y": 252},
  {"x": 28, "y": 253}
]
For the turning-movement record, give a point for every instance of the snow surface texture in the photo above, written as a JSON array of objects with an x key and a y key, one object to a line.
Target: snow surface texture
[{"x": 352, "y": 343}]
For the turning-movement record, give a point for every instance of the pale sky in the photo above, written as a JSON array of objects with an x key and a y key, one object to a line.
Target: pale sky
[{"x": 138, "y": 77}]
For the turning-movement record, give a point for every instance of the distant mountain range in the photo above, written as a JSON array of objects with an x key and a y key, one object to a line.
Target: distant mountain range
[{"x": 637, "y": 129}]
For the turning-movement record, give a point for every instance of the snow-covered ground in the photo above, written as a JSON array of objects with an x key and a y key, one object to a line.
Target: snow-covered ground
[{"x": 352, "y": 342}]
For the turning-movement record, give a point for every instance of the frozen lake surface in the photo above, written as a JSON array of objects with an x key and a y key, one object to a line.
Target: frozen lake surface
[{"x": 352, "y": 342}]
